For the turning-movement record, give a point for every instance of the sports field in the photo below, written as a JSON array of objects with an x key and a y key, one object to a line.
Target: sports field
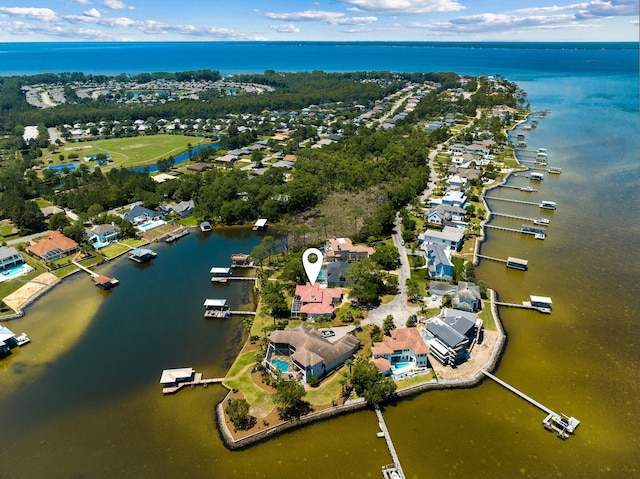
[{"x": 130, "y": 152}]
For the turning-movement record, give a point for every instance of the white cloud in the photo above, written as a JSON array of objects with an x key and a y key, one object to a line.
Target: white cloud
[
  {"x": 332, "y": 18},
  {"x": 593, "y": 9},
  {"x": 92, "y": 13},
  {"x": 116, "y": 5},
  {"x": 41, "y": 14},
  {"x": 106, "y": 21},
  {"x": 405, "y": 7},
  {"x": 82, "y": 2},
  {"x": 285, "y": 28}
]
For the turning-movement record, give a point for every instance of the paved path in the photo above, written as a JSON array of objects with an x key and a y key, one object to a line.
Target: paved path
[{"x": 398, "y": 307}]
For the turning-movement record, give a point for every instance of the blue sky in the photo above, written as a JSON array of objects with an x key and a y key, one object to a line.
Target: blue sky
[{"x": 290, "y": 20}]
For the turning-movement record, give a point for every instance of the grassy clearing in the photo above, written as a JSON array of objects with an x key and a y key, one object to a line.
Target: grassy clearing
[
  {"x": 130, "y": 152},
  {"x": 487, "y": 317}
]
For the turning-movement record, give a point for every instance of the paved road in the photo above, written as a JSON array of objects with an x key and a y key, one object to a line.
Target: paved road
[{"x": 398, "y": 307}]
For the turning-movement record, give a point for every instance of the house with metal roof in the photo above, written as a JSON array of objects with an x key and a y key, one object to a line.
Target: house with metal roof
[
  {"x": 303, "y": 352},
  {"x": 446, "y": 344},
  {"x": 466, "y": 297},
  {"x": 443, "y": 214},
  {"x": 438, "y": 261},
  {"x": 449, "y": 236}
]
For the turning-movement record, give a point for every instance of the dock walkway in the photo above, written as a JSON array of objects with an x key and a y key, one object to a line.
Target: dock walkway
[
  {"x": 519, "y": 393},
  {"x": 197, "y": 381},
  {"x": 387, "y": 437},
  {"x": 511, "y": 201}
]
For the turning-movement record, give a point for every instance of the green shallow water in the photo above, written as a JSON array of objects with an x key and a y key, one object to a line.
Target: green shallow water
[{"x": 83, "y": 399}]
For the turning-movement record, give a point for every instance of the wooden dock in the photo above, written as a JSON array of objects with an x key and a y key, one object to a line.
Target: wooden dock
[
  {"x": 224, "y": 279},
  {"x": 523, "y": 305},
  {"x": 515, "y": 217},
  {"x": 392, "y": 449},
  {"x": 196, "y": 381},
  {"x": 560, "y": 423},
  {"x": 526, "y": 189},
  {"x": 491, "y": 258},
  {"x": 512, "y": 201},
  {"x": 100, "y": 280},
  {"x": 176, "y": 234}
]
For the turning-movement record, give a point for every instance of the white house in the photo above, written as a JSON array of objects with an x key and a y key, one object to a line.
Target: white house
[{"x": 449, "y": 236}]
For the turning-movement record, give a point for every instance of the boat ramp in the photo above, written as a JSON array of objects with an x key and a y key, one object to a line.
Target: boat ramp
[{"x": 560, "y": 423}]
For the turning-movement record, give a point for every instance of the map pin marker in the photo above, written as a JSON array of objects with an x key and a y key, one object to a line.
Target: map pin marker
[{"x": 312, "y": 269}]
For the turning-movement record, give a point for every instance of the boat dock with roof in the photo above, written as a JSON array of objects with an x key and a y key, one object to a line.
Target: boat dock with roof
[
  {"x": 142, "y": 255},
  {"x": 173, "y": 380},
  {"x": 560, "y": 423},
  {"x": 100, "y": 280}
]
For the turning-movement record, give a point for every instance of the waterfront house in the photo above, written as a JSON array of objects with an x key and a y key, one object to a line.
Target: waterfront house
[
  {"x": 184, "y": 208},
  {"x": 466, "y": 297},
  {"x": 443, "y": 214},
  {"x": 457, "y": 182},
  {"x": 102, "y": 234},
  {"x": 9, "y": 257},
  {"x": 466, "y": 323},
  {"x": 303, "y": 352},
  {"x": 446, "y": 344},
  {"x": 454, "y": 198},
  {"x": 53, "y": 247},
  {"x": 438, "y": 261},
  {"x": 449, "y": 236},
  {"x": 342, "y": 249},
  {"x": 404, "y": 345},
  {"x": 440, "y": 288},
  {"x": 139, "y": 215},
  {"x": 312, "y": 301}
]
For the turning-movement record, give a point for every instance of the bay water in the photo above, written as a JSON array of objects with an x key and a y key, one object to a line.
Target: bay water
[{"x": 83, "y": 399}]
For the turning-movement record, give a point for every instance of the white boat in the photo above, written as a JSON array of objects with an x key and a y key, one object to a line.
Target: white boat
[
  {"x": 540, "y": 236},
  {"x": 555, "y": 170},
  {"x": 205, "y": 226},
  {"x": 547, "y": 205},
  {"x": 561, "y": 423},
  {"x": 541, "y": 221},
  {"x": 528, "y": 189},
  {"x": 23, "y": 339}
]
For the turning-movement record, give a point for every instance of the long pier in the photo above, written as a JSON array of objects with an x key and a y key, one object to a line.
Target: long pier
[
  {"x": 526, "y": 189},
  {"x": 512, "y": 201},
  {"x": 491, "y": 258},
  {"x": 93, "y": 274},
  {"x": 502, "y": 228},
  {"x": 515, "y": 217},
  {"x": 224, "y": 279},
  {"x": 519, "y": 393},
  {"x": 387, "y": 437}
]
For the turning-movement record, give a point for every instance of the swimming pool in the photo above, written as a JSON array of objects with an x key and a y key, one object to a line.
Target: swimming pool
[
  {"x": 149, "y": 225},
  {"x": 283, "y": 366},
  {"x": 14, "y": 272},
  {"x": 402, "y": 367}
]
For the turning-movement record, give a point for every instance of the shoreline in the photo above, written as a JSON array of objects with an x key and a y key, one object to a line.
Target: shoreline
[{"x": 474, "y": 380}]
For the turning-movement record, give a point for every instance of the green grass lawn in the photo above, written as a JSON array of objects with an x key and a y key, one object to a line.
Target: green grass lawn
[
  {"x": 130, "y": 152},
  {"x": 487, "y": 317}
]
